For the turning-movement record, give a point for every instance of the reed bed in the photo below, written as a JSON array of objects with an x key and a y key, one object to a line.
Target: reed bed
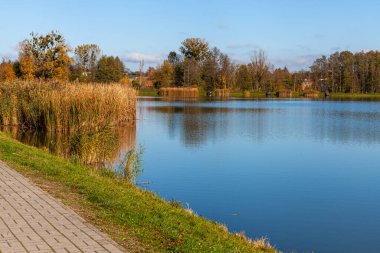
[
  {"x": 285, "y": 93},
  {"x": 222, "y": 93},
  {"x": 311, "y": 94},
  {"x": 179, "y": 92},
  {"x": 65, "y": 107}
]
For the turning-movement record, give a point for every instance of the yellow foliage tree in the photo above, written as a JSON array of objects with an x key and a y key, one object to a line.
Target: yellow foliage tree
[
  {"x": 45, "y": 57},
  {"x": 163, "y": 75},
  {"x": 6, "y": 72},
  {"x": 125, "y": 80},
  {"x": 27, "y": 67}
]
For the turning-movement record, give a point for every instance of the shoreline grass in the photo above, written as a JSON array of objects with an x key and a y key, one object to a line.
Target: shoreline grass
[
  {"x": 152, "y": 223},
  {"x": 179, "y": 92},
  {"x": 149, "y": 93},
  {"x": 355, "y": 95},
  {"x": 65, "y": 107}
]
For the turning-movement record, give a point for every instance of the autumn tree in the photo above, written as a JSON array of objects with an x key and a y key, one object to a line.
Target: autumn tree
[
  {"x": 194, "y": 51},
  {"x": 211, "y": 75},
  {"x": 17, "y": 69},
  {"x": 243, "y": 77},
  {"x": 195, "y": 48},
  {"x": 27, "y": 64},
  {"x": 45, "y": 56},
  {"x": 6, "y": 71},
  {"x": 125, "y": 80},
  {"x": 227, "y": 69},
  {"x": 163, "y": 75},
  {"x": 178, "y": 73},
  {"x": 109, "y": 69},
  {"x": 177, "y": 64},
  {"x": 86, "y": 57},
  {"x": 281, "y": 79},
  {"x": 173, "y": 57},
  {"x": 259, "y": 68}
]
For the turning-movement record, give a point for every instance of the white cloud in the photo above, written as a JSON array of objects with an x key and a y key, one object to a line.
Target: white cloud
[
  {"x": 296, "y": 63},
  {"x": 135, "y": 57}
]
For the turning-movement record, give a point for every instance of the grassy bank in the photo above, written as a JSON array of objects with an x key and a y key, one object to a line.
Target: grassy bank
[
  {"x": 137, "y": 219},
  {"x": 56, "y": 106},
  {"x": 240, "y": 94},
  {"x": 355, "y": 95},
  {"x": 148, "y": 93}
]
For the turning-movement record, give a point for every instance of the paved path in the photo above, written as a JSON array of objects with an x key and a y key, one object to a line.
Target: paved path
[{"x": 33, "y": 221}]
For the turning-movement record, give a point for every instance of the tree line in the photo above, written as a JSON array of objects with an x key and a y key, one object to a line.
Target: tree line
[
  {"x": 348, "y": 72},
  {"x": 198, "y": 65},
  {"x": 195, "y": 64}
]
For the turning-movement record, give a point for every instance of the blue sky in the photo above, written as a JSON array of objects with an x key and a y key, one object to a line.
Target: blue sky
[{"x": 292, "y": 32}]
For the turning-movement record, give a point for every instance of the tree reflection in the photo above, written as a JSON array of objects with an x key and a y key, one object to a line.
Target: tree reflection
[
  {"x": 93, "y": 148},
  {"x": 198, "y": 124}
]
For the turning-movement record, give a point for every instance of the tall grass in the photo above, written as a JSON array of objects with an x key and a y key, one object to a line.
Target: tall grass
[
  {"x": 222, "y": 93},
  {"x": 311, "y": 94},
  {"x": 179, "y": 92},
  {"x": 285, "y": 93},
  {"x": 66, "y": 107}
]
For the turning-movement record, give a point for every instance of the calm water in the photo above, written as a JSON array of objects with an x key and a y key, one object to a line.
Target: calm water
[{"x": 305, "y": 174}]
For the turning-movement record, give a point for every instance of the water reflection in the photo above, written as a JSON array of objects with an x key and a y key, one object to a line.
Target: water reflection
[
  {"x": 94, "y": 148},
  {"x": 200, "y": 124},
  {"x": 209, "y": 122}
]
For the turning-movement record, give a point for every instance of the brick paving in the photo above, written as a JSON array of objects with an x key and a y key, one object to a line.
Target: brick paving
[{"x": 33, "y": 221}]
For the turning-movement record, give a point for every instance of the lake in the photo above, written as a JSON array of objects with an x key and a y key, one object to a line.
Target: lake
[{"x": 303, "y": 173}]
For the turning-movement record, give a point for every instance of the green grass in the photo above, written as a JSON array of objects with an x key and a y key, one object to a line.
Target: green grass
[
  {"x": 158, "y": 225},
  {"x": 355, "y": 95},
  {"x": 253, "y": 94},
  {"x": 148, "y": 93}
]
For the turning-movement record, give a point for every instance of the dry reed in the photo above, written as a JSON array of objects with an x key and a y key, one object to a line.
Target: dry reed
[
  {"x": 222, "y": 93},
  {"x": 179, "y": 92},
  {"x": 311, "y": 94},
  {"x": 285, "y": 93},
  {"x": 54, "y": 106}
]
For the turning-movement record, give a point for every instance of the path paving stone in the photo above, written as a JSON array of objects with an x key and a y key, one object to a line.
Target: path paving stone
[{"x": 33, "y": 221}]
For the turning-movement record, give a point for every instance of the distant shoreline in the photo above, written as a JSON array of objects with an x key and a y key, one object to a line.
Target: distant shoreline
[{"x": 239, "y": 94}]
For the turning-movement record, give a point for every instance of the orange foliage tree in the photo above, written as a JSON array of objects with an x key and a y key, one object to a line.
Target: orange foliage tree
[
  {"x": 6, "y": 71},
  {"x": 45, "y": 57}
]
